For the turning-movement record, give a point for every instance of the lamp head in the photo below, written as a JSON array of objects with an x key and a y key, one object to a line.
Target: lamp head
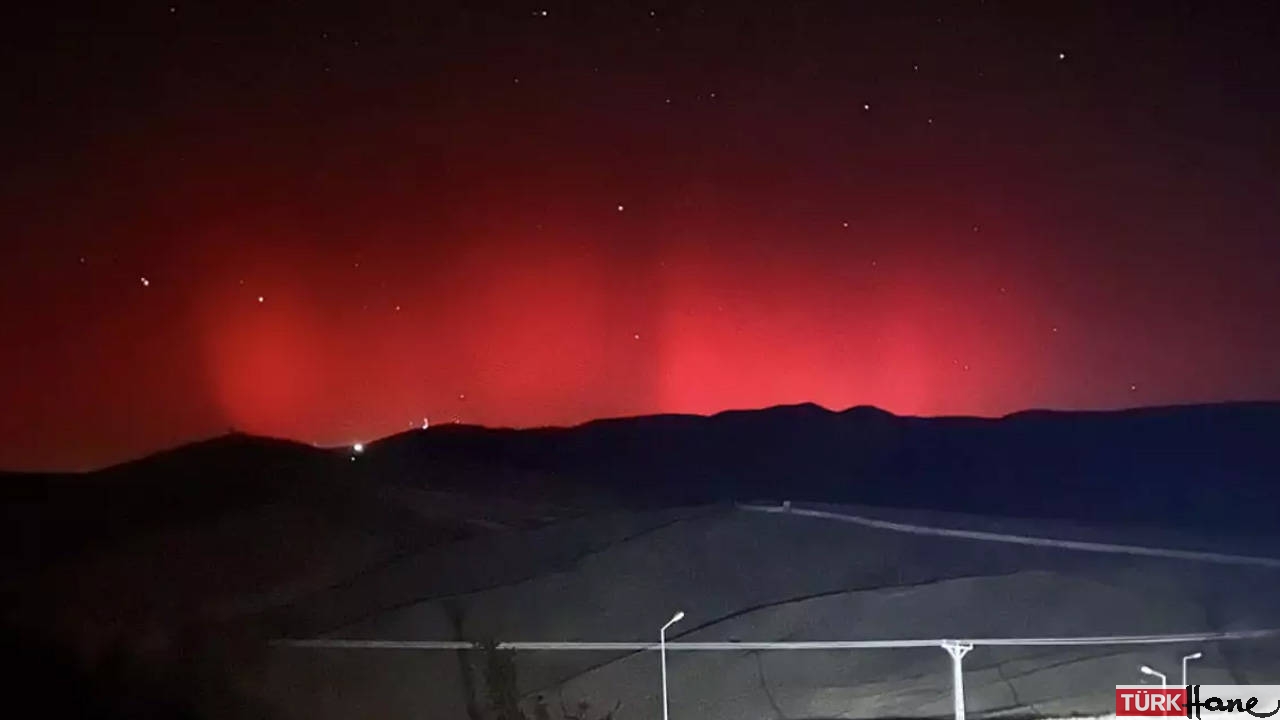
[
  {"x": 1148, "y": 671},
  {"x": 674, "y": 619},
  {"x": 1195, "y": 656}
]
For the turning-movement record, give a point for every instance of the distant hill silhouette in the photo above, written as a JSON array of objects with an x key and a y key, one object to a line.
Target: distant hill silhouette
[
  {"x": 1204, "y": 465},
  {"x": 1199, "y": 463}
]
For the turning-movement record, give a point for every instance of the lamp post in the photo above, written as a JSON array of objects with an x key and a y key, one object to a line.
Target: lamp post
[
  {"x": 1185, "y": 658},
  {"x": 957, "y": 650},
  {"x": 662, "y": 650},
  {"x": 1164, "y": 679}
]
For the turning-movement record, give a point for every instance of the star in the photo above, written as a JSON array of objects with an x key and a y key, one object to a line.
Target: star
[
  {"x": 261, "y": 299},
  {"x": 620, "y": 208},
  {"x": 1062, "y": 56},
  {"x": 539, "y": 13},
  {"x": 930, "y": 121},
  {"x": 844, "y": 224},
  {"x": 1133, "y": 388},
  {"x": 82, "y": 260},
  {"x": 145, "y": 282},
  {"x": 636, "y": 336},
  {"x": 866, "y": 106},
  {"x": 397, "y": 308}
]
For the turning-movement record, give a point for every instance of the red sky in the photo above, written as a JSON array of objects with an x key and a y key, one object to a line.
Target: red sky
[{"x": 1002, "y": 228}]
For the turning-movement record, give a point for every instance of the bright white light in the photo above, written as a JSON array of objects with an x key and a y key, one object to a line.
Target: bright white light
[
  {"x": 1062, "y": 56},
  {"x": 145, "y": 282},
  {"x": 677, "y": 617},
  {"x": 425, "y": 424},
  {"x": 620, "y": 208},
  {"x": 358, "y": 447},
  {"x": 261, "y": 299}
]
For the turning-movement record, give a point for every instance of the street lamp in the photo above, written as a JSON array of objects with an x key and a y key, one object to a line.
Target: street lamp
[
  {"x": 957, "y": 650},
  {"x": 1185, "y": 658},
  {"x": 1164, "y": 679},
  {"x": 662, "y": 650}
]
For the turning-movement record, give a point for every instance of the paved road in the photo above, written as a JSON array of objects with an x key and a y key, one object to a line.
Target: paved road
[{"x": 1081, "y": 545}]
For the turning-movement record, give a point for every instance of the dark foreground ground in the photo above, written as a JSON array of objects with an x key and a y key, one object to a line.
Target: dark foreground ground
[{"x": 155, "y": 587}]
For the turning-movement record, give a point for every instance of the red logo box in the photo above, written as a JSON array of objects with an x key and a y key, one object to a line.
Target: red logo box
[{"x": 1146, "y": 701}]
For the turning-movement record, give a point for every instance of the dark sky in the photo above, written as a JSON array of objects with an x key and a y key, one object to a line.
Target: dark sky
[{"x": 331, "y": 221}]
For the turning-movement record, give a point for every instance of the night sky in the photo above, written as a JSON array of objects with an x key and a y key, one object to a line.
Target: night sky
[{"x": 332, "y": 221}]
